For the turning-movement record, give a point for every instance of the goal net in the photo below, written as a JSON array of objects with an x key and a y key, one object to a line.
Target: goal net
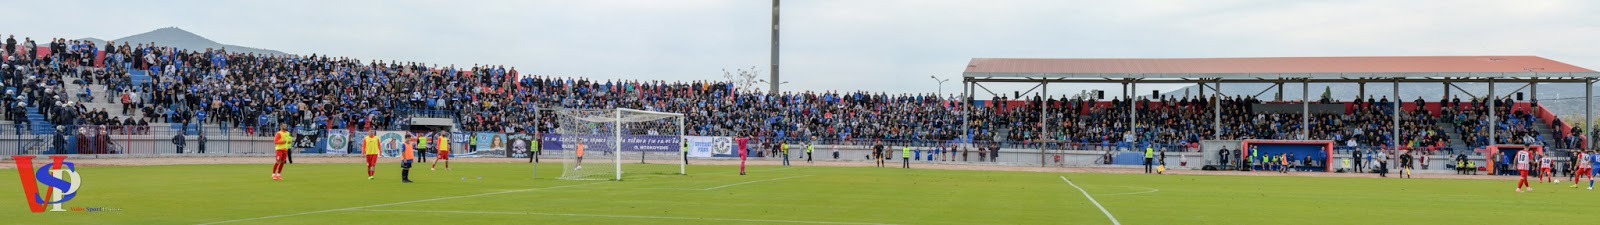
[{"x": 605, "y": 144}]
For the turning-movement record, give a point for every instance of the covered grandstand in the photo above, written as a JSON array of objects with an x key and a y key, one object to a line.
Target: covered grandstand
[{"x": 1213, "y": 73}]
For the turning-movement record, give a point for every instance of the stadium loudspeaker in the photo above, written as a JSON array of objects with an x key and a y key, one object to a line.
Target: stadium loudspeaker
[
  {"x": 1519, "y": 96},
  {"x": 1100, "y": 94},
  {"x": 1155, "y": 93}
]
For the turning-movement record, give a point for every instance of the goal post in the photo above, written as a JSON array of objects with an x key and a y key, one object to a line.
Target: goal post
[{"x": 588, "y": 137}]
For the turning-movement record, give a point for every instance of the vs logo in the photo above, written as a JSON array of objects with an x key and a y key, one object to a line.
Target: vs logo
[{"x": 56, "y": 190}]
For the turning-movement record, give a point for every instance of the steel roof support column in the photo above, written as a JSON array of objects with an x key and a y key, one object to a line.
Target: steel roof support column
[
  {"x": 1305, "y": 110},
  {"x": 1133, "y": 115},
  {"x": 1394, "y": 135},
  {"x": 1362, "y": 92},
  {"x": 1216, "y": 107},
  {"x": 1279, "y": 98},
  {"x": 966, "y": 110},
  {"x": 1588, "y": 114},
  {"x": 1446, "y": 93},
  {"x": 1044, "y": 118},
  {"x": 1492, "y": 124}
]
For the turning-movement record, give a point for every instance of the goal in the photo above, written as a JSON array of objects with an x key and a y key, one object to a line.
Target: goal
[{"x": 605, "y": 144}]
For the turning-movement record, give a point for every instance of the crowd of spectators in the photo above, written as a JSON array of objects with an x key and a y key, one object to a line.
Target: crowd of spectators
[
  {"x": 253, "y": 92},
  {"x": 1512, "y": 125}
]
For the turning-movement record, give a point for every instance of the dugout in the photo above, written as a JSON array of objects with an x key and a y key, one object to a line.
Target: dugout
[
  {"x": 1509, "y": 153},
  {"x": 1318, "y": 151}
]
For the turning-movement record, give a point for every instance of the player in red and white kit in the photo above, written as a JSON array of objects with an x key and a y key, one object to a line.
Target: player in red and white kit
[
  {"x": 1585, "y": 167},
  {"x": 1544, "y": 169},
  {"x": 743, "y": 151},
  {"x": 1522, "y": 168}
]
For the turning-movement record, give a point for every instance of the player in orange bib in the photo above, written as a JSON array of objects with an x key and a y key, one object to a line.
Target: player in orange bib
[
  {"x": 280, "y": 146},
  {"x": 580, "y": 157},
  {"x": 444, "y": 151},
  {"x": 370, "y": 149},
  {"x": 406, "y": 155}
]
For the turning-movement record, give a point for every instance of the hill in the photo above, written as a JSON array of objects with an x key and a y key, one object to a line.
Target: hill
[{"x": 177, "y": 37}]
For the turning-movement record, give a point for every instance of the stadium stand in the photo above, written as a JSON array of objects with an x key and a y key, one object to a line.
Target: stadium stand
[{"x": 77, "y": 83}]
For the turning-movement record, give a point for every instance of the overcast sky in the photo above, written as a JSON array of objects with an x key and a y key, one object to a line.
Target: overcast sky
[{"x": 879, "y": 45}]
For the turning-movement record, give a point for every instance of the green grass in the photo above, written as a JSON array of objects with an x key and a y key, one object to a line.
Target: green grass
[{"x": 316, "y": 193}]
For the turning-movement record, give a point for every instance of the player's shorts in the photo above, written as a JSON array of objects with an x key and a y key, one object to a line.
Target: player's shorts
[
  {"x": 372, "y": 158},
  {"x": 1585, "y": 171},
  {"x": 405, "y": 164},
  {"x": 444, "y": 155},
  {"x": 281, "y": 155}
]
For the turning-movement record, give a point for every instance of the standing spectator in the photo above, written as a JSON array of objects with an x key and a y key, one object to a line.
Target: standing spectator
[
  {"x": 202, "y": 140},
  {"x": 1356, "y": 154},
  {"x": 994, "y": 153},
  {"x": 178, "y": 141}
]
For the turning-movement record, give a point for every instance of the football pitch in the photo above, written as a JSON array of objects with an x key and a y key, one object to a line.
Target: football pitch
[{"x": 508, "y": 193}]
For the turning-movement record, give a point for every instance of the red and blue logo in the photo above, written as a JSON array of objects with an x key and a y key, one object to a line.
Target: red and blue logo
[{"x": 57, "y": 190}]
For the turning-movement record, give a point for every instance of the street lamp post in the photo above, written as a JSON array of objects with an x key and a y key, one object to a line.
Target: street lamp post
[
  {"x": 941, "y": 84},
  {"x": 774, "y": 85}
]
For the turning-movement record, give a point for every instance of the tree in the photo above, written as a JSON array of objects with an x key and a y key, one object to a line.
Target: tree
[{"x": 744, "y": 80}]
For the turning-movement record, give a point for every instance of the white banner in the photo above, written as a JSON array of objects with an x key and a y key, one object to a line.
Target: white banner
[
  {"x": 338, "y": 141},
  {"x": 392, "y": 142},
  {"x": 703, "y": 146}
]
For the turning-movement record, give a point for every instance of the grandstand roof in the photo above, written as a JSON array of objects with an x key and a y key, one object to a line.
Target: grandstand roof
[{"x": 1312, "y": 69}]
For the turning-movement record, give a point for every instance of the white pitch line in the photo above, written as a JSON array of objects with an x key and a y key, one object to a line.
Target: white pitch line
[
  {"x": 618, "y": 216},
  {"x": 1091, "y": 199},
  {"x": 399, "y": 203},
  {"x": 749, "y": 182},
  {"x": 1152, "y": 190}
]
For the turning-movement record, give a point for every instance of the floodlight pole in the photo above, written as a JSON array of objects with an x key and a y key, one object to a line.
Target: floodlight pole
[{"x": 775, "y": 80}]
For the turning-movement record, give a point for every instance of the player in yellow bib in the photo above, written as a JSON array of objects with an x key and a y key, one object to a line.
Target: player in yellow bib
[
  {"x": 280, "y": 146},
  {"x": 444, "y": 152},
  {"x": 370, "y": 149}
]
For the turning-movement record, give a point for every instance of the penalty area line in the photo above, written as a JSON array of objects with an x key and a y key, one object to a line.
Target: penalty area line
[{"x": 1091, "y": 200}]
